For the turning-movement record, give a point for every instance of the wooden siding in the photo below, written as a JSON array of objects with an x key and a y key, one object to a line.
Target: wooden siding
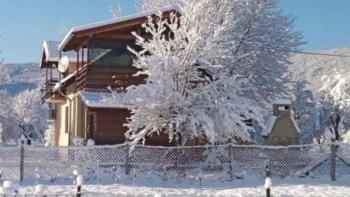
[
  {"x": 105, "y": 125},
  {"x": 159, "y": 140}
]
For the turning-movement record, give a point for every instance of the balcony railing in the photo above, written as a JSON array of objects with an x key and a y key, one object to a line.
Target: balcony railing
[
  {"x": 81, "y": 76},
  {"x": 48, "y": 87}
]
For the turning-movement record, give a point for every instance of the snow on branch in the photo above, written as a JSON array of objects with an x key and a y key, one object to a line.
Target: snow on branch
[
  {"x": 207, "y": 73},
  {"x": 147, "y": 5},
  {"x": 23, "y": 114},
  {"x": 116, "y": 11}
]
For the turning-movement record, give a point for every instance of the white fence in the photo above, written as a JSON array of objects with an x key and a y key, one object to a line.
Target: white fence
[{"x": 56, "y": 164}]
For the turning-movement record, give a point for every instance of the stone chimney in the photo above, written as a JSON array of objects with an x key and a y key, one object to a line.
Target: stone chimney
[
  {"x": 282, "y": 129},
  {"x": 281, "y": 106}
]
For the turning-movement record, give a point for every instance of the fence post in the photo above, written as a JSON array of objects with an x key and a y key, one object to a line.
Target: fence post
[
  {"x": 21, "y": 164},
  {"x": 333, "y": 161},
  {"x": 230, "y": 148},
  {"x": 21, "y": 159},
  {"x": 268, "y": 184},
  {"x": 79, "y": 185},
  {"x": 1, "y": 178},
  {"x": 127, "y": 160}
]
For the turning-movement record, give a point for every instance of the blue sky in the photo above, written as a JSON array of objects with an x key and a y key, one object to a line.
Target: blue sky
[{"x": 25, "y": 24}]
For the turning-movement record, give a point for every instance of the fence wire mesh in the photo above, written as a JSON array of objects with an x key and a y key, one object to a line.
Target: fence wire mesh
[
  {"x": 10, "y": 162},
  {"x": 56, "y": 164}
]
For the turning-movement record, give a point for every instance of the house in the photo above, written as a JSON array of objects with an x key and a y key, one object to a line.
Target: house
[
  {"x": 81, "y": 70},
  {"x": 281, "y": 128}
]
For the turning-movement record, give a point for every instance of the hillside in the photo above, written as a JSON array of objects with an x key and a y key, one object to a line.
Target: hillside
[
  {"x": 325, "y": 75},
  {"x": 319, "y": 71},
  {"x": 17, "y": 77}
]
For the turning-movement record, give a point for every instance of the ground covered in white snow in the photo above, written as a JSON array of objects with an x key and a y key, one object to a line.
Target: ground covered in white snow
[{"x": 248, "y": 188}]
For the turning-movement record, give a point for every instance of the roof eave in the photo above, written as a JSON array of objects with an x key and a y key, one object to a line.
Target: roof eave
[
  {"x": 96, "y": 106},
  {"x": 99, "y": 105},
  {"x": 70, "y": 34},
  {"x": 42, "y": 59},
  {"x": 66, "y": 39}
]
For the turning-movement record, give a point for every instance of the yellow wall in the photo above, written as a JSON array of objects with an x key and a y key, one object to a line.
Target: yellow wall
[
  {"x": 61, "y": 125},
  {"x": 70, "y": 120}
]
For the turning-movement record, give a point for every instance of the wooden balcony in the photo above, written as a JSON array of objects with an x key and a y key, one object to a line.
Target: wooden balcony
[
  {"x": 48, "y": 87},
  {"x": 80, "y": 78},
  {"x": 100, "y": 77}
]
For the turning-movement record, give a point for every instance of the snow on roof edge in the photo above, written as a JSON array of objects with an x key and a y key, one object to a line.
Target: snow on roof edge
[
  {"x": 294, "y": 122},
  {"x": 101, "y": 103},
  {"x": 69, "y": 35},
  {"x": 41, "y": 58},
  {"x": 269, "y": 125},
  {"x": 282, "y": 102},
  {"x": 46, "y": 49},
  {"x": 66, "y": 39},
  {"x": 56, "y": 58}
]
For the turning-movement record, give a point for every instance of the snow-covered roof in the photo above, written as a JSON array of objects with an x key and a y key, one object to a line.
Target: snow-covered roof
[
  {"x": 53, "y": 53},
  {"x": 294, "y": 121},
  {"x": 271, "y": 122},
  {"x": 282, "y": 102},
  {"x": 269, "y": 125},
  {"x": 103, "y": 99},
  {"x": 73, "y": 30}
]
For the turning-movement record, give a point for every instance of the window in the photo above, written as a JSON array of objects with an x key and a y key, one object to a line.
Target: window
[{"x": 109, "y": 54}]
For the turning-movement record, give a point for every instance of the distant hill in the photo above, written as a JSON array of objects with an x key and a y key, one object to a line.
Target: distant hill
[{"x": 18, "y": 77}]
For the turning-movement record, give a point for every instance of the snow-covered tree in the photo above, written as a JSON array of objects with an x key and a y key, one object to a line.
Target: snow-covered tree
[
  {"x": 50, "y": 134},
  {"x": 256, "y": 35},
  {"x": 335, "y": 98},
  {"x": 147, "y": 5},
  {"x": 28, "y": 115},
  {"x": 2, "y": 108},
  {"x": 327, "y": 78},
  {"x": 305, "y": 112},
  {"x": 321, "y": 113},
  {"x": 1, "y": 133},
  {"x": 5, "y": 101},
  {"x": 200, "y": 80},
  {"x": 9, "y": 129},
  {"x": 324, "y": 120},
  {"x": 180, "y": 98},
  {"x": 116, "y": 11}
]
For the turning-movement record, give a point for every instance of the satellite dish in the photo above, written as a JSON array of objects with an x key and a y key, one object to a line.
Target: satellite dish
[{"x": 63, "y": 64}]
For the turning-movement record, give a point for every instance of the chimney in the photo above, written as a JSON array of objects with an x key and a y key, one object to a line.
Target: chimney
[{"x": 281, "y": 106}]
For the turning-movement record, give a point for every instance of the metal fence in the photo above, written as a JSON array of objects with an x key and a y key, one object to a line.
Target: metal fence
[{"x": 56, "y": 164}]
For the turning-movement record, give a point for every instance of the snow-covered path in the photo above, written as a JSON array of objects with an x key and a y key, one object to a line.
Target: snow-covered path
[{"x": 292, "y": 188}]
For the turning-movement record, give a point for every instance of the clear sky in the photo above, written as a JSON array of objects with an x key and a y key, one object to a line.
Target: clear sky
[{"x": 24, "y": 24}]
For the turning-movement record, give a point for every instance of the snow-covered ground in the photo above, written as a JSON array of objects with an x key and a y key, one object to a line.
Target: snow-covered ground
[{"x": 307, "y": 187}]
